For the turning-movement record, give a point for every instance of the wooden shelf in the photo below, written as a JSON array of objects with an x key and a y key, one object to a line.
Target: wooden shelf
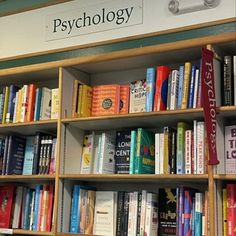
[
  {"x": 26, "y": 178},
  {"x": 28, "y": 128},
  {"x": 29, "y": 232},
  {"x": 144, "y": 119},
  {"x": 225, "y": 177},
  {"x": 133, "y": 178},
  {"x": 227, "y": 111}
]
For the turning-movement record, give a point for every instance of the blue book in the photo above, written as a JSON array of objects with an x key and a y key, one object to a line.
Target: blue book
[
  {"x": 38, "y": 188},
  {"x": 38, "y": 98},
  {"x": 29, "y": 156},
  {"x": 133, "y": 142},
  {"x": 27, "y": 209},
  {"x": 15, "y": 155},
  {"x": 180, "y": 87},
  {"x": 11, "y": 103},
  {"x": 150, "y": 88},
  {"x": 191, "y": 88}
]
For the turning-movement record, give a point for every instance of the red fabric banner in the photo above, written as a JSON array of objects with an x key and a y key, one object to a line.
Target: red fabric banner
[{"x": 209, "y": 103}]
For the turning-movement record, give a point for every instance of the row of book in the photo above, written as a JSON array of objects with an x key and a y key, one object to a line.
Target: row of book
[
  {"x": 229, "y": 210},
  {"x": 28, "y": 103},
  {"x": 28, "y": 155},
  {"x": 170, "y": 211},
  {"x": 180, "y": 150},
  {"x": 26, "y": 208}
]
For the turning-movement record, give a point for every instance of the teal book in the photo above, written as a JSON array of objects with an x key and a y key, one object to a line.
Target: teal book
[
  {"x": 132, "y": 151},
  {"x": 145, "y": 152},
  {"x": 38, "y": 98},
  {"x": 29, "y": 156},
  {"x": 150, "y": 89}
]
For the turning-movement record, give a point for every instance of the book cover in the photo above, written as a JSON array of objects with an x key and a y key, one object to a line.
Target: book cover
[
  {"x": 230, "y": 149},
  {"x": 124, "y": 99},
  {"x": 167, "y": 211},
  {"x": 6, "y": 201},
  {"x": 11, "y": 103},
  {"x": 86, "y": 98},
  {"x": 150, "y": 88},
  {"x": 145, "y": 153},
  {"x": 55, "y": 103},
  {"x": 122, "y": 152},
  {"x": 180, "y": 86},
  {"x": 46, "y": 104},
  {"x": 185, "y": 91},
  {"x": 31, "y": 103},
  {"x": 231, "y": 209},
  {"x": 15, "y": 155},
  {"x": 38, "y": 99},
  {"x": 160, "y": 98},
  {"x": 28, "y": 156},
  {"x": 137, "y": 96},
  {"x": 87, "y": 158},
  {"x": 106, "y": 100},
  {"x": 105, "y": 213},
  {"x": 151, "y": 216}
]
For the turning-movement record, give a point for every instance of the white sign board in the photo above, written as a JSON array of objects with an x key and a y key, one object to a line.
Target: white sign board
[{"x": 100, "y": 17}]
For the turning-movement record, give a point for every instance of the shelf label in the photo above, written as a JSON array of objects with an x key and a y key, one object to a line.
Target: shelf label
[
  {"x": 209, "y": 103},
  {"x": 6, "y": 231},
  {"x": 95, "y": 18}
]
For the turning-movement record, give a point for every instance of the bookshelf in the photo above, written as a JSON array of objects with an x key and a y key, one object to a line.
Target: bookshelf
[{"x": 118, "y": 66}]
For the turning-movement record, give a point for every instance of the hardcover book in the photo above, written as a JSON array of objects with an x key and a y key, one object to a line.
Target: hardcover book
[
  {"x": 31, "y": 103},
  {"x": 124, "y": 99},
  {"x": 122, "y": 152},
  {"x": 137, "y": 96},
  {"x": 38, "y": 99},
  {"x": 187, "y": 71},
  {"x": 86, "y": 101},
  {"x": 150, "y": 89}
]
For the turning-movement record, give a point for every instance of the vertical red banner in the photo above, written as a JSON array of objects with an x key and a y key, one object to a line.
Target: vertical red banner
[{"x": 209, "y": 103}]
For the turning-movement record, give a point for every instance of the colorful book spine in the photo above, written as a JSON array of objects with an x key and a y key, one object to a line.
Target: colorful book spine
[
  {"x": 150, "y": 89},
  {"x": 174, "y": 89},
  {"x": 196, "y": 87},
  {"x": 133, "y": 144},
  {"x": 228, "y": 81},
  {"x": 5, "y": 104},
  {"x": 188, "y": 151},
  {"x": 180, "y": 86},
  {"x": 224, "y": 201},
  {"x": 187, "y": 70},
  {"x": 191, "y": 86},
  {"x": 28, "y": 156},
  {"x": 55, "y": 103},
  {"x": 200, "y": 147},
  {"x": 38, "y": 187},
  {"x": 38, "y": 99},
  {"x": 86, "y": 105},
  {"x": 157, "y": 153},
  {"x": 124, "y": 99},
  {"x": 31, "y": 103},
  {"x": 11, "y": 103},
  {"x": 198, "y": 214}
]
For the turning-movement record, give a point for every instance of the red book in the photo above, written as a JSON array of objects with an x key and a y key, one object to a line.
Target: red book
[
  {"x": 50, "y": 208},
  {"x": 231, "y": 209},
  {"x": 160, "y": 98},
  {"x": 124, "y": 99},
  {"x": 31, "y": 102},
  {"x": 6, "y": 200}
]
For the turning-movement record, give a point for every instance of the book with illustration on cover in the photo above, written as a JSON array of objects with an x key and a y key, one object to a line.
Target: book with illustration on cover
[{"x": 124, "y": 99}]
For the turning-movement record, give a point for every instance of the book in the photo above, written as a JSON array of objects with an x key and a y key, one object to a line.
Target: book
[
  {"x": 188, "y": 151},
  {"x": 198, "y": 214},
  {"x": 5, "y": 104},
  {"x": 167, "y": 211},
  {"x": 120, "y": 213},
  {"x": 105, "y": 213},
  {"x": 55, "y": 103},
  {"x": 75, "y": 98},
  {"x": 28, "y": 156},
  {"x": 196, "y": 87},
  {"x": 11, "y": 103},
  {"x": 2, "y": 96},
  {"x": 6, "y": 200},
  {"x": 38, "y": 99},
  {"x": 157, "y": 153},
  {"x": 90, "y": 212},
  {"x": 2, "y": 147},
  {"x": 160, "y": 97},
  {"x": 122, "y": 152},
  {"x": 145, "y": 153},
  {"x": 174, "y": 89},
  {"x": 185, "y": 91},
  {"x": 124, "y": 99},
  {"x": 137, "y": 96},
  {"x": 106, "y": 100},
  {"x": 133, "y": 142},
  {"x": 31, "y": 103},
  {"x": 191, "y": 86},
  {"x": 230, "y": 149},
  {"x": 24, "y": 103},
  {"x": 150, "y": 88},
  {"x": 86, "y": 98},
  {"x": 180, "y": 86},
  {"x": 17, "y": 207},
  {"x": 234, "y": 77},
  {"x": 46, "y": 104},
  {"x": 228, "y": 81}
]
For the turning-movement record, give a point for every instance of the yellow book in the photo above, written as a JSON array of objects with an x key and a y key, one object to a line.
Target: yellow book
[
  {"x": 187, "y": 70},
  {"x": 166, "y": 150},
  {"x": 79, "y": 100},
  {"x": 5, "y": 106},
  {"x": 86, "y": 101},
  {"x": 225, "y": 226},
  {"x": 18, "y": 107},
  {"x": 55, "y": 104}
]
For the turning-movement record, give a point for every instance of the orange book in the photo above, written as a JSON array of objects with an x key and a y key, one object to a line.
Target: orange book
[
  {"x": 49, "y": 208},
  {"x": 31, "y": 103},
  {"x": 160, "y": 98},
  {"x": 106, "y": 100},
  {"x": 124, "y": 99}
]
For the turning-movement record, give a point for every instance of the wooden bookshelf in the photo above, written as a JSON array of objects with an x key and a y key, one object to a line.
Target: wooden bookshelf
[
  {"x": 227, "y": 177},
  {"x": 26, "y": 178},
  {"x": 29, "y": 232}
]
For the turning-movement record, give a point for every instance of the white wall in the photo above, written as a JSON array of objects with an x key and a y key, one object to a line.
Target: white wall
[{"x": 25, "y": 32}]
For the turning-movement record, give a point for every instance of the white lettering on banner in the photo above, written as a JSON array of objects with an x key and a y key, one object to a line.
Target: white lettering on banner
[{"x": 96, "y": 18}]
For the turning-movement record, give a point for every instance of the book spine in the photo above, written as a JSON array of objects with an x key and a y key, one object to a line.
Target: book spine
[
  {"x": 26, "y": 219},
  {"x": 196, "y": 88},
  {"x": 2, "y": 97},
  {"x": 50, "y": 208},
  {"x": 173, "y": 153},
  {"x": 120, "y": 208},
  {"x": 191, "y": 86},
  {"x": 52, "y": 168},
  {"x": 224, "y": 201},
  {"x": 174, "y": 89},
  {"x": 150, "y": 89},
  {"x": 124, "y": 99},
  {"x": 11, "y": 103},
  {"x": 157, "y": 153},
  {"x": 180, "y": 86},
  {"x": 169, "y": 91},
  {"x": 37, "y": 148},
  {"x": 36, "y": 206},
  {"x": 234, "y": 78},
  {"x": 15, "y": 107},
  {"x": 138, "y": 232},
  {"x": 24, "y": 103},
  {"x": 188, "y": 151},
  {"x": 133, "y": 145},
  {"x": 5, "y": 105},
  {"x": 161, "y": 161},
  {"x": 38, "y": 100},
  {"x": 200, "y": 148},
  {"x": 166, "y": 166},
  {"x": 31, "y": 103},
  {"x": 31, "y": 215},
  {"x": 228, "y": 81},
  {"x": 187, "y": 68},
  {"x": 74, "y": 218},
  {"x": 198, "y": 213},
  {"x": 4, "y": 161}
]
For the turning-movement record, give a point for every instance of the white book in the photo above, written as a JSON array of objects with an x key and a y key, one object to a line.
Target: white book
[
  {"x": 157, "y": 153},
  {"x": 45, "y": 110},
  {"x": 106, "y": 155},
  {"x": 196, "y": 87},
  {"x": 135, "y": 214},
  {"x": 200, "y": 147},
  {"x": 55, "y": 104},
  {"x": 174, "y": 89},
  {"x": 151, "y": 218},
  {"x": 24, "y": 103},
  {"x": 195, "y": 147},
  {"x": 32, "y": 211},
  {"x": 143, "y": 212},
  {"x": 15, "y": 107},
  {"x": 188, "y": 151},
  {"x": 17, "y": 207},
  {"x": 97, "y": 144},
  {"x": 105, "y": 213},
  {"x": 87, "y": 158},
  {"x": 161, "y": 159}
]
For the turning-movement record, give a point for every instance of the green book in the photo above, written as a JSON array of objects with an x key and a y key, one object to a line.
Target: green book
[{"x": 145, "y": 152}]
